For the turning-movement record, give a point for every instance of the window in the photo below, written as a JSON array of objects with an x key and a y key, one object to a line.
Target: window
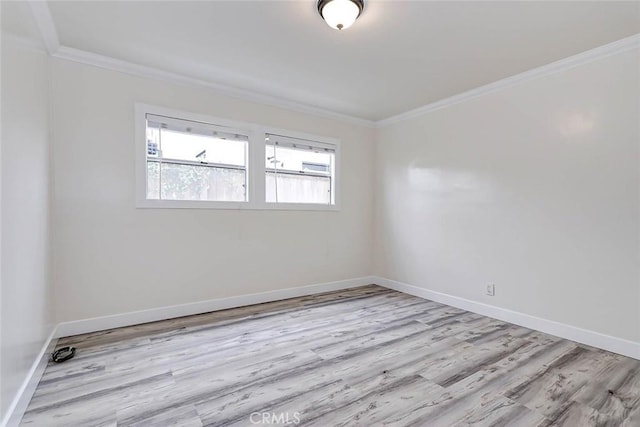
[
  {"x": 299, "y": 171},
  {"x": 187, "y": 160}
]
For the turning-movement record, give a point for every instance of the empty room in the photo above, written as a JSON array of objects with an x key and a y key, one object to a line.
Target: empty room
[{"x": 319, "y": 213}]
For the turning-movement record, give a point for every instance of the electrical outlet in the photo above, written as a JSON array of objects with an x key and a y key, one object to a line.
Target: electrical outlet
[{"x": 491, "y": 289}]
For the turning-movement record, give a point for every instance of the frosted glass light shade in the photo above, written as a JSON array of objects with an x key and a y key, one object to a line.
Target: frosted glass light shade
[{"x": 340, "y": 14}]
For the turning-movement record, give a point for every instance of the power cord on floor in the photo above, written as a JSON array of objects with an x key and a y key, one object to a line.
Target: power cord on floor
[{"x": 63, "y": 354}]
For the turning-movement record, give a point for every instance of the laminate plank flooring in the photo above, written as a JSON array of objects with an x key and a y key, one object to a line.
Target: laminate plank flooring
[{"x": 367, "y": 356}]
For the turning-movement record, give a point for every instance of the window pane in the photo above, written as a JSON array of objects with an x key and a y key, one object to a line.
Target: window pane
[
  {"x": 153, "y": 141},
  {"x": 200, "y": 148},
  {"x": 153, "y": 180},
  {"x": 299, "y": 175},
  {"x": 291, "y": 159},
  {"x": 188, "y": 182},
  {"x": 298, "y": 188},
  {"x": 189, "y": 160}
]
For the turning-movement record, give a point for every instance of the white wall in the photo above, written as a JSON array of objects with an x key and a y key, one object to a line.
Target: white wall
[
  {"x": 535, "y": 188},
  {"x": 110, "y": 257},
  {"x": 26, "y": 320}
]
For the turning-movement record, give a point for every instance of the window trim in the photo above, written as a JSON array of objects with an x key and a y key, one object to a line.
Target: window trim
[{"x": 256, "y": 170}]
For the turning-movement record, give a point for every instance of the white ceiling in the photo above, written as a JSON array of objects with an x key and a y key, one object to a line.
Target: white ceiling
[{"x": 398, "y": 56}]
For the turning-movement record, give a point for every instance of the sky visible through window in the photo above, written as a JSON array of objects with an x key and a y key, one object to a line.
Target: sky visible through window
[
  {"x": 188, "y": 146},
  {"x": 291, "y": 159}
]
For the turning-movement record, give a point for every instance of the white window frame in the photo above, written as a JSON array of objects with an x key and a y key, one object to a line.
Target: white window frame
[{"x": 256, "y": 171}]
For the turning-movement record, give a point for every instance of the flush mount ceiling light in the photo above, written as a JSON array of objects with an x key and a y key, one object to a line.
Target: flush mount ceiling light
[{"x": 340, "y": 14}]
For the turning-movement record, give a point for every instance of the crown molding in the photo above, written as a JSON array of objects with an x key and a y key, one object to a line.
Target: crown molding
[
  {"x": 101, "y": 61},
  {"x": 44, "y": 22},
  {"x": 46, "y": 25},
  {"x": 591, "y": 55}
]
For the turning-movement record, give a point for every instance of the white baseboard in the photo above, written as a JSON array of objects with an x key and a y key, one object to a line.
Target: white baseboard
[
  {"x": 19, "y": 404},
  {"x": 144, "y": 316},
  {"x": 22, "y": 398},
  {"x": 573, "y": 333}
]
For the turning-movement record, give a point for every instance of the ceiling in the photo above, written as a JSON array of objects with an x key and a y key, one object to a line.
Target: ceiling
[{"x": 398, "y": 56}]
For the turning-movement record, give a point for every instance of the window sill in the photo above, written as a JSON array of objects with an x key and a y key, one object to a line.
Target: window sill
[{"x": 189, "y": 204}]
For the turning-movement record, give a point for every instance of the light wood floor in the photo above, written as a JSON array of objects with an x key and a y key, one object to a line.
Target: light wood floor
[{"x": 367, "y": 356}]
